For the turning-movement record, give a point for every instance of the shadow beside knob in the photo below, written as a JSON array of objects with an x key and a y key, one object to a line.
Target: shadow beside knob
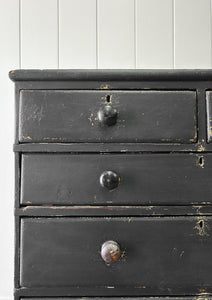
[
  {"x": 110, "y": 252},
  {"x": 107, "y": 115}
]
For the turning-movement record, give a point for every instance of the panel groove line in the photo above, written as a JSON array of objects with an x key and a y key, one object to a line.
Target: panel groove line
[
  {"x": 77, "y": 34},
  {"x": 173, "y": 33},
  {"x": 58, "y": 34},
  {"x": 192, "y": 34},
  {"x": 211, "y": 30},
  {"x": 39, "y": 37},
  {"x": 116, "y": 34},
  {"x": 9, "y": 59},
  {"x": 97, "y": 54},
  {"x": 154, "y": 34},
  {"x": 135, "y": 38},
  {"x": 19, "y": 31}
]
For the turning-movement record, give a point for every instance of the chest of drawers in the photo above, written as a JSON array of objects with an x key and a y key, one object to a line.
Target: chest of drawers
[{"x": 113, "y": 184}]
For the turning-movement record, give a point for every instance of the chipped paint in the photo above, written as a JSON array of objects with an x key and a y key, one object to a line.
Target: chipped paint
[
  {"x": 202, "y": 295},
  {"x": 194, "y": 139},
  {"x": 25, "y": 208},
  {"x": 201, "y": 226},
  {"x": 91, "y": 119},
  {"x": 182, "y": 253},
  {"x": 148, "y": 207},
  {"x": 197, "y": 209},
  {"x": 201, "y": 290},
  {"x": 123, "y": 254},
  {"x": 200, "y": 161},
  {"x": 27, "y": 137},
  {"x": 201, "y": 148},
  {"x": 210, "y": 131},
  {"x": 104, "y": 86}
]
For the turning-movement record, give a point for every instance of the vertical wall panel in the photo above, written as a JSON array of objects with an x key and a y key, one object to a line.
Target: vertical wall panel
[
  {"x": 115, "y": 28},
  {"x": 192, "y": 34},
  {"x": 77, "y": 34},
  {"x": 9, "y": 59},
  {"x": 154, "y": 34},
  {"x": 39, "y": 34}
]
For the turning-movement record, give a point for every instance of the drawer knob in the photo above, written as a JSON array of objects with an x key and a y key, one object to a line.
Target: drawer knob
[
  {"x": 110, "y": 252},
  {"x": 107, "y": 115},
  {"x": 109, "y": 180}
]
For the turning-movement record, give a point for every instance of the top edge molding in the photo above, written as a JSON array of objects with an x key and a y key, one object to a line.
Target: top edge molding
[{"x": 111, "y": 75}]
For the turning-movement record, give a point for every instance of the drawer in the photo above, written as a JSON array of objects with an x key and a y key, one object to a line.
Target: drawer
[
  {"x": 116, "y": 179},
  {"x": 158, "y": 255},
  {"x": 107, "y": 116}
]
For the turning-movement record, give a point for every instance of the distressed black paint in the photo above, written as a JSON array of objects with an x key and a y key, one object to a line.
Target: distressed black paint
[
  {"x": 145, "y": 179},
  {"x": 63, "y": 215},
  {"x": 159, "y": 254},
  {"x": 73, "y": 116}
]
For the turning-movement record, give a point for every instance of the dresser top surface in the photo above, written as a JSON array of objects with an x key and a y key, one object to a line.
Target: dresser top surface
[{"x": 112, "y": 74}]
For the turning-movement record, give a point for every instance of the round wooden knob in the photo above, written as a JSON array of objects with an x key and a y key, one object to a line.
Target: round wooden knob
[
  {"x": 110, "y": 252},
  {"x": 109, "y": 180},
  {"x": 107, "y": 115}
]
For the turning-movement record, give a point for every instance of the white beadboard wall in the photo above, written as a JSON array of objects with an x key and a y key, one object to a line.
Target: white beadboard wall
[{"x": 89, "y": 34}]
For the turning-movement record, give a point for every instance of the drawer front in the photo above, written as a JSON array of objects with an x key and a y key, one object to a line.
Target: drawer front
[
  {"x": 82, "y": 116},
  {"x": 159, "y": 255},
  {"x": 142, "y": 179}
]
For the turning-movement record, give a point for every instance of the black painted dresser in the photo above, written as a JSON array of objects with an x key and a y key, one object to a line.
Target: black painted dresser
[{"x": 113, "y": 184}]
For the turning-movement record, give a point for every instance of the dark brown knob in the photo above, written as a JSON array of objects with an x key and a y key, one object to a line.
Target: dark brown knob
[
  {"x": 110, "y": 252},
  {"x": 109, "y": 179},
  {"x": 107, "y": 115}
]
